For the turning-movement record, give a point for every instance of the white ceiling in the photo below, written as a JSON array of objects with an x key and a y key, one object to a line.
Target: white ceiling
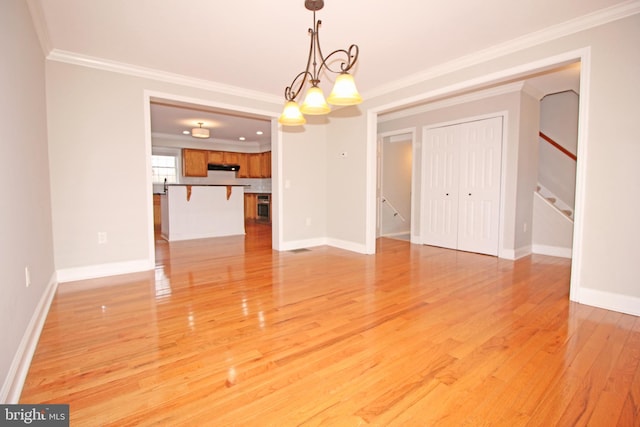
[{"x": 260, "y": 45}]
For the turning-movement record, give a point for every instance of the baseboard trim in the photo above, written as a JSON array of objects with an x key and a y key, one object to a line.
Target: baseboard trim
[
  {"x": 349, "y": 246},
  {"x": 302, "y": 244},
  {"x": 514, "y": 254},
  {"x": 104, "y": 270},
  {"x": 323, "y": 241},
  {"x": 14, "y": 382},
  {"x": 616, "y": 302},
  {"x": 553, "y": 251}
]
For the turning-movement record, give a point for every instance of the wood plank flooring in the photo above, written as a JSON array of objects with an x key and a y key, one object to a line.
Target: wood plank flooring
[{"x": 227, "y": 332}]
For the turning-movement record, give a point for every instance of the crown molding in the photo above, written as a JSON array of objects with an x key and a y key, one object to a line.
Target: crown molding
[
  {"x": 462, "y": 99},
  {"x": 153, "y": 74},
  {"x": 585, "y": 22},
  {"x": 40, "y": 25}
]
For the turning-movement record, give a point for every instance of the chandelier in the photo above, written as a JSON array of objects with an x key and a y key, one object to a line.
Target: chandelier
[{"x": 344, "y": 90}]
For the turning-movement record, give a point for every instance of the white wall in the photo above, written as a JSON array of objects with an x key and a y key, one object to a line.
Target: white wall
[
  {"x": 346, "y": 177},
  {"x": 304, "y": 186},
  {"x": 25, "y": 207}
]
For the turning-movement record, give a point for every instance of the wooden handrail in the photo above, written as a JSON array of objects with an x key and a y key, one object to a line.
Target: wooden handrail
[{"x": 558, "y": 146}]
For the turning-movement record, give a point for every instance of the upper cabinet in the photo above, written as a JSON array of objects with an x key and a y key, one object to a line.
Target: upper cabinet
[
  {"x": 194, "y": 162},
  {"x": 265, "y": 164},
  {"x": 216, "y": 157},
  {"x": 252, "y": 165}
]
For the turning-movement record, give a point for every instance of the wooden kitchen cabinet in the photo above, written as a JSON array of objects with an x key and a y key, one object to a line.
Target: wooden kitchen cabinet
[
  {"x": 231, "y": 158},
  {"x": 194, "y": 162},
  {"x": 250, "y": 206},
  {"x": 216, "y": 157},
  {"x": 157, "y": 216},
  {"x": 254, "y": 165},
  {"x": 265, "y": 164},
  {"x": 243, "y": 161}
]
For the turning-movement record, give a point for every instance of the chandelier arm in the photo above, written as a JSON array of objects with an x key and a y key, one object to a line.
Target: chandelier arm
[
  {"x": 351, "y": 55},
  {"x": 292, "y": 91}
]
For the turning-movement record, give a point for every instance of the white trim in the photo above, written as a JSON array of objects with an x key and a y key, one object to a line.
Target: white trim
[
  {"x": 371, "y": 197},
  {"x": 548, "y": 34},
  {"x": 581, "y": 174},
  {"x": 14, "y": 381},
  {"x": 153, "y": 74},
  {"x": 104, "y": 270},
  {"x": 348, "y": 246},
  {"x": 552, "y": 251},
  {"x": 323, "y": 241},
  {"x": 610, "y": 301},
  {"x": 148, "y": 149},
  {"x": 303, "y": 244}
]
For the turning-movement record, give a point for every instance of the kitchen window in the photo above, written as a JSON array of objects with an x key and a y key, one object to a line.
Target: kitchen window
[{"x": 164, "y": 167}]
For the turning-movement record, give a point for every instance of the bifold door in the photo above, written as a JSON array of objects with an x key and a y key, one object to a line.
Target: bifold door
[{"x": 461, "y": 186}]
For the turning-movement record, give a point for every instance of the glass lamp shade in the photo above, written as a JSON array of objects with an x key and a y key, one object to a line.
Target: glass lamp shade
[
  {"x": 200, "y": 133},
  {"x": 314, "y": 103},
  {"x": 291, "y": 115},
  {"x": 344, "y": 91}
]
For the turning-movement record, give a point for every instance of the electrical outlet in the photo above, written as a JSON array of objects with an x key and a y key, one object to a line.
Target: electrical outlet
[
  {"x": 102, "y": 237},
  {"x": 27, "y": 276}
]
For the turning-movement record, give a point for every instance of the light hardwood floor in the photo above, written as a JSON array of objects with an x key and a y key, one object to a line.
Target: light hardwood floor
[{"x": 228, "y": 332}]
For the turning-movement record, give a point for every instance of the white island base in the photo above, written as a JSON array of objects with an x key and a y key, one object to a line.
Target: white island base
[{"x": 200, "y": 211}]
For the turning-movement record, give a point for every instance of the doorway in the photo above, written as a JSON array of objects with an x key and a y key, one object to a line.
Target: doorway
[{"x": 395, "y": 172}]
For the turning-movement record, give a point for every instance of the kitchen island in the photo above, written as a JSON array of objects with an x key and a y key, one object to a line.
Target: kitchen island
[{"x": 200, "y": 211}]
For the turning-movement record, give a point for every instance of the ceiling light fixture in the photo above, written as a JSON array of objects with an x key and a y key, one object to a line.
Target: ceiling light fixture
[
  {"x": 344, "y": 90},
  {"x": 200, "y": 132}
]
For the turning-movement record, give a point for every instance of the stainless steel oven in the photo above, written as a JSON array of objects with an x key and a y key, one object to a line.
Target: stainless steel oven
[{"x": 263, "y": 207}]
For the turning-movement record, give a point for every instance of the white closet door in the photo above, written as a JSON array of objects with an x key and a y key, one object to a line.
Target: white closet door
[
  {"x": 461, "y": 198},
  {"x": 440, "y": 205},
  {"x": 479, "y": 200}
]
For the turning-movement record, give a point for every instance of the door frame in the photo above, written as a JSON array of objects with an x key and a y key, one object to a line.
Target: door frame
[{"x": 414, "y": 179}]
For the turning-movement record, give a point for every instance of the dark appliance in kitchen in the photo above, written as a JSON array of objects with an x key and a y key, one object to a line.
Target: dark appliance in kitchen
[{"x": 263, "y": 207}]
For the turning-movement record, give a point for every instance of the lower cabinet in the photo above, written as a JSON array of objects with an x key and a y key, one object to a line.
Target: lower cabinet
[
  {"x": 250, "y": 203},
  {"x": 157, "y": 218}
]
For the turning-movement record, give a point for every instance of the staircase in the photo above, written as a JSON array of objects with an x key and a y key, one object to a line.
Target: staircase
[{"x": 558, "y": 205}]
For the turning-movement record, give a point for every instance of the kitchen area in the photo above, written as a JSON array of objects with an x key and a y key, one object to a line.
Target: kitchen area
[{"x": 211, "y": 172}]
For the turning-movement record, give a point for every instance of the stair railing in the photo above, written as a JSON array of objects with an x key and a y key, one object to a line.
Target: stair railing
[
  {"x": 559, "y": 147},
  {"x": 393, "y": 209}
]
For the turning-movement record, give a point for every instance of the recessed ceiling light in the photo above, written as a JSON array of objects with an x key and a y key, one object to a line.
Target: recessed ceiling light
[
  {"x": 186, "y": 132},
  {"x": 259, "y": 132},
  {"x": 242, "y": 138}
]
